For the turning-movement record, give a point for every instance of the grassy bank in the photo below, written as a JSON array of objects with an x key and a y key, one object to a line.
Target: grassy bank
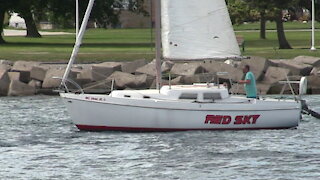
[
  {"x": 272, "y": 26},
  {"x": 300, "y": 41},
  {"x": 98, "y": 45},
  {"x": 130, "y": 44}
]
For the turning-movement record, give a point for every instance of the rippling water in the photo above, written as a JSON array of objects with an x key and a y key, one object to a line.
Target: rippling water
[{"x": 38, "y": 141}]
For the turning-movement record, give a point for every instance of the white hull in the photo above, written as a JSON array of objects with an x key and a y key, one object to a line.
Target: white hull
[{"x": 104, "y": 112}]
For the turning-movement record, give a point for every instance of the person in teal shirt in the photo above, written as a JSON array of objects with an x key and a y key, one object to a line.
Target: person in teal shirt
[{"x": 249, "y": 82}]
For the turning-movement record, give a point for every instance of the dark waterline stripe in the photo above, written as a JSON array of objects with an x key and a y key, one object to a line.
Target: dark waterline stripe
[{"x": 140, "y": 129}]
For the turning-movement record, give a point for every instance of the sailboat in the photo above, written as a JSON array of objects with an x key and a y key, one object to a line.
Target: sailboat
[{"x": 194, "y": 30}]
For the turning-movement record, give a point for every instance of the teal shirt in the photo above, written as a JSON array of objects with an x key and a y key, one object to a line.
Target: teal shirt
[{"x": 251, "y": 89}]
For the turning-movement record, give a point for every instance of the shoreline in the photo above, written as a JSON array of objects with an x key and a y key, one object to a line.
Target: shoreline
[{"x": 23, "y": 78}]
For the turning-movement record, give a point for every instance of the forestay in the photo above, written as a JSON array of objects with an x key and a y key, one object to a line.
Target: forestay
[{"x": 197, "y": 29}]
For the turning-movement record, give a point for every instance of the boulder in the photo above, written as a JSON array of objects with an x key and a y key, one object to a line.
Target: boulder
[
  {"x": 276, "y": 88},
  {"x": 53, "y": 66},
  {"x": 258, "y": 66},
  {"x": 131, "y": 67},
  {"x": 164, "y": 82},
  {"x": 313, "y": 61},
  {"x": 78, "y": 68},
  {"x": 99, "y": 72},
  {"x": 274, "y": 62},
  {"x": 115, "y": 65},
  {"x": 176, "y": 81},
  {"x": 18, "y": 88},
  {"x": 187, "y": 69},
  {"x": 275, "y": 74},
  {"x": 100, "y": 87},
  {"x": 125, "y": 80},
  {"x": 296, "y": 68},
  {"x": 38, "y": 72},
  {"x": 24, "y": 76},
  {"x": 25, "y": 66},
  {"x": 35, "y": 83},
  {"x": 214, "y": 67},
  {"x": 5, "y": 66},
  {"x": 4, "y": 82},
  {"x": 82, "y": 82},
  {"x": 198, "y": 78},
  {"x": 314, "y": 84},
  {"x": 234, "y": 63},
  {"x": 85, "y": 74},
  {"x": 14, "y": 76},
  {"x": 263, "y": 88},
  {"x": 149, "y": 69},
  {"x": 49, "y": 82},
  {"x": 315, "y": 71},
  {"x": 6, "y": 62},
  {"x": 167, "y": 66}
]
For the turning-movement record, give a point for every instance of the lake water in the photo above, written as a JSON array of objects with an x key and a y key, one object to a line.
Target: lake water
[{"x": 38, "y": 141}]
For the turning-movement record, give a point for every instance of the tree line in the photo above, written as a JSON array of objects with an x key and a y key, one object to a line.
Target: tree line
[
  {"x": 62, "y": 12},
  {"x": 106, "y": 12},
  {"x": 263, "y": 10}
]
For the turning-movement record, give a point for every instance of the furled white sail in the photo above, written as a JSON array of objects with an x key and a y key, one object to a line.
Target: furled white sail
[{"x": 197, "y": 29}]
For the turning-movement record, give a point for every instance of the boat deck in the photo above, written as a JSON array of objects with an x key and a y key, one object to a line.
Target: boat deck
[{"x": 191, "y": 93}]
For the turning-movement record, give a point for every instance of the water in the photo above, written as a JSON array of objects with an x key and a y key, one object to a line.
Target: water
[{"x": 38, "y": 141}]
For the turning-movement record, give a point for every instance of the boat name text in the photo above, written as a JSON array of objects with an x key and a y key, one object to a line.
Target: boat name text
[
  {"x": 95, "y": 98},
  {"x": 241, "y": 119}
]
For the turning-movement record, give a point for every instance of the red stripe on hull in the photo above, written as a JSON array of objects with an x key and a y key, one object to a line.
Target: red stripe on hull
[{"x": 139, "y": 129}]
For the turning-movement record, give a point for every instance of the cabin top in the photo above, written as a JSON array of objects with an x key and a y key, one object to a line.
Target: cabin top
[{"x": 195, "y": 92}]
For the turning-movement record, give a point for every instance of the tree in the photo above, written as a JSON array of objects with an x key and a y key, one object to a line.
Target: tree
[
  {"x": 274, "y": 7},
  {"x": 244, "y": 11},
  {"x": 262, "y": 7},
  {"x": 278, "y": 7},
  {"x": 105, "y": 12},
  {"x": 2, "y": 12},
  {"x": 239, "y": 11},
  {"x": 307, "y": 4},
  {"x": 283, "y": 43},
  {"x": 25, "y": 10},
  {"x": 5, "y": 5}
]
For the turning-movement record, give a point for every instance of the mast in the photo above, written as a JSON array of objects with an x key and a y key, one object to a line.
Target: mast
[
  {"x": 312, "y": 22},
  {"x": 158, "y": 41},
  {"x": 77, "y": 18},
  {"x": 78, "y": 41}
]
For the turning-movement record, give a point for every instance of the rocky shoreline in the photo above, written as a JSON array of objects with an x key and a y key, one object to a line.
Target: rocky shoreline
[{"x": 23, "y": 78}]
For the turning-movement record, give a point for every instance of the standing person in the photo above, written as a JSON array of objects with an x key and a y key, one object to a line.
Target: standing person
[{"x": 249, "y": 82}]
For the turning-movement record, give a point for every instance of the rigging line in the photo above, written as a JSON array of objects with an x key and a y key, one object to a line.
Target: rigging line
[
  {"x": 100, "y": 74},
  {"x": 203, "y": 17},
  {"x": 99, "y": 83}
]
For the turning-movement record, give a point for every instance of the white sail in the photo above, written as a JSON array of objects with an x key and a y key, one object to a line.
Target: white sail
[{"x": 197, "y": 29}]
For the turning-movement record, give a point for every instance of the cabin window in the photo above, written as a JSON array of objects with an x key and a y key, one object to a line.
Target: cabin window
[
  {"x": 207, "y": 96},
  {"x": 188, "y": 96},
  {"x": 127, "y": 96},
  {"x": 146, "y": 97}
]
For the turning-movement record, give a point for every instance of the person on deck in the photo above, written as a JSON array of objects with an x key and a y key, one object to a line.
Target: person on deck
[{"x": 249, "y": 82}]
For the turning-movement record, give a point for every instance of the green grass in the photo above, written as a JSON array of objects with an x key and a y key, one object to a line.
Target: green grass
[
  {"x": 272, "y": 26},
  {"x": 130, "y": 44},
  {"x": 98, "y": 45},
  {"x": 268, "y": 48}
]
